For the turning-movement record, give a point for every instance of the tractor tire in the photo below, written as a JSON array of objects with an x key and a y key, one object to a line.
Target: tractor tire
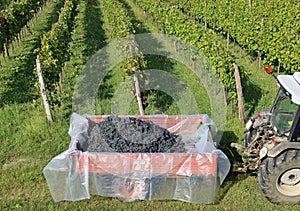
[{"x": 279, "y": 178}]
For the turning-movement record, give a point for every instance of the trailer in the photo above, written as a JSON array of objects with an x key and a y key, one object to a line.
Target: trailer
[{"x": 192, "y": 176}]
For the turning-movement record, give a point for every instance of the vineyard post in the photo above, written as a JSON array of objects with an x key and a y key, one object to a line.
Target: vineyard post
[
  {"x": 259, "y": 59},
  {"x": 250, "y": 4},
  {"x": 43, "y": 90},
  {"x": 239, "y": 90},
  {"x": 21, "y": 34},
  {"x": 6, "y": 50},
  {"x": 16, "y": 41},
  {"x": 137, "y": 91},
  {"x": 19, "y": 38}
]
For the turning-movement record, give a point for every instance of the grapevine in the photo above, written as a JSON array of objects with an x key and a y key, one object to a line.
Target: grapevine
[
  {"x": 171, "y": 19},
  {"x": 18, "y": 74},
  {"x": 119, "y": 24},
  {"x": 271, "y": 30},
  {"x": 54, "y": 49},
  {"x": 16, "y": 15}
]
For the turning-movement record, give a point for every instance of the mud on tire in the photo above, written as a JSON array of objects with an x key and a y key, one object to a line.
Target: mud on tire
[{"x": 279, "y": 178}]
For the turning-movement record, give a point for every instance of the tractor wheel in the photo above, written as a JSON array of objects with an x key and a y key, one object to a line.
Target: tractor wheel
[{"x": 279, "y": 178}]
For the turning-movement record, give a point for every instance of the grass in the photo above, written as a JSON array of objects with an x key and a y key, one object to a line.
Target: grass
[{"x": 28, "y": 142}]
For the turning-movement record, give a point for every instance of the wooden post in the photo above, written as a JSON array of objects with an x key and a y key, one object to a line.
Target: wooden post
[
  {"x": 16, "y": 41},
  {"x": 250, "y": 4},
  {"x": 239, "y": 90},
  {"x": 259, "y": 59},
  {"x": 6, "y": 50},
  {"x": 43, "y": 90},
  {"x": 19, "y": 38},
  {"x": 136, "y": 82},
  {"x": 137, "y": 91}
]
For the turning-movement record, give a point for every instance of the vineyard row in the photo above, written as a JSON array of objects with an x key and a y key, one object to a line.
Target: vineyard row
[
  {"x": 270, "y": 29},
  {"x": 15, "y": 16},
  {"x": 171, "y": 20}
]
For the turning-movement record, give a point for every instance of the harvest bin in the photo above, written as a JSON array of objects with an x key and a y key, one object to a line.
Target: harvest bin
[{"x": 193, "y": 176}]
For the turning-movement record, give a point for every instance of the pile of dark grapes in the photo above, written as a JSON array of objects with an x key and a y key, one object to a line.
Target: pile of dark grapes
[{"x": 131, "y": 135}]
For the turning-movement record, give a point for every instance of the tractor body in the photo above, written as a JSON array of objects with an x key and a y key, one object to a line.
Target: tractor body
[{"x": 272, "y": 144}]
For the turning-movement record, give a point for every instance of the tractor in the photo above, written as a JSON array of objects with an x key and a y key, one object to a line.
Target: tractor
[{"x": 272, "y": 143}]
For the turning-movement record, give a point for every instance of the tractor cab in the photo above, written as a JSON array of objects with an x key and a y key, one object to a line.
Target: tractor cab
[{"x": 285, "y": 113}]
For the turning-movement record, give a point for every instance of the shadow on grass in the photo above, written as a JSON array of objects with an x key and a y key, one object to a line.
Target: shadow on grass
[
  {"x": 252, "y": 95},
  {"x": 231, "y": 179},
  {"x": 158, "y": 101},
  {"x": 235, "y": 159},
  {"x": 233, "y": 155}
]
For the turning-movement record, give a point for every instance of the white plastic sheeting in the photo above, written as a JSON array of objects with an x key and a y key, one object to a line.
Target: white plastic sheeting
[{"x": 194, "y": 176}]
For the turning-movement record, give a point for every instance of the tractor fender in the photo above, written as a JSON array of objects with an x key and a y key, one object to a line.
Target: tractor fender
[{"x": 278, "y": 148}]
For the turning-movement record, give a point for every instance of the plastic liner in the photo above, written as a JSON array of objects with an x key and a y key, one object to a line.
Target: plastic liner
[{"x": 193, "y": 177}]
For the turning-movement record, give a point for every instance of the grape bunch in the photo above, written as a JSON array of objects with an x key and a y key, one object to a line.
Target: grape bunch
[{"x": 131, "y": 135}]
